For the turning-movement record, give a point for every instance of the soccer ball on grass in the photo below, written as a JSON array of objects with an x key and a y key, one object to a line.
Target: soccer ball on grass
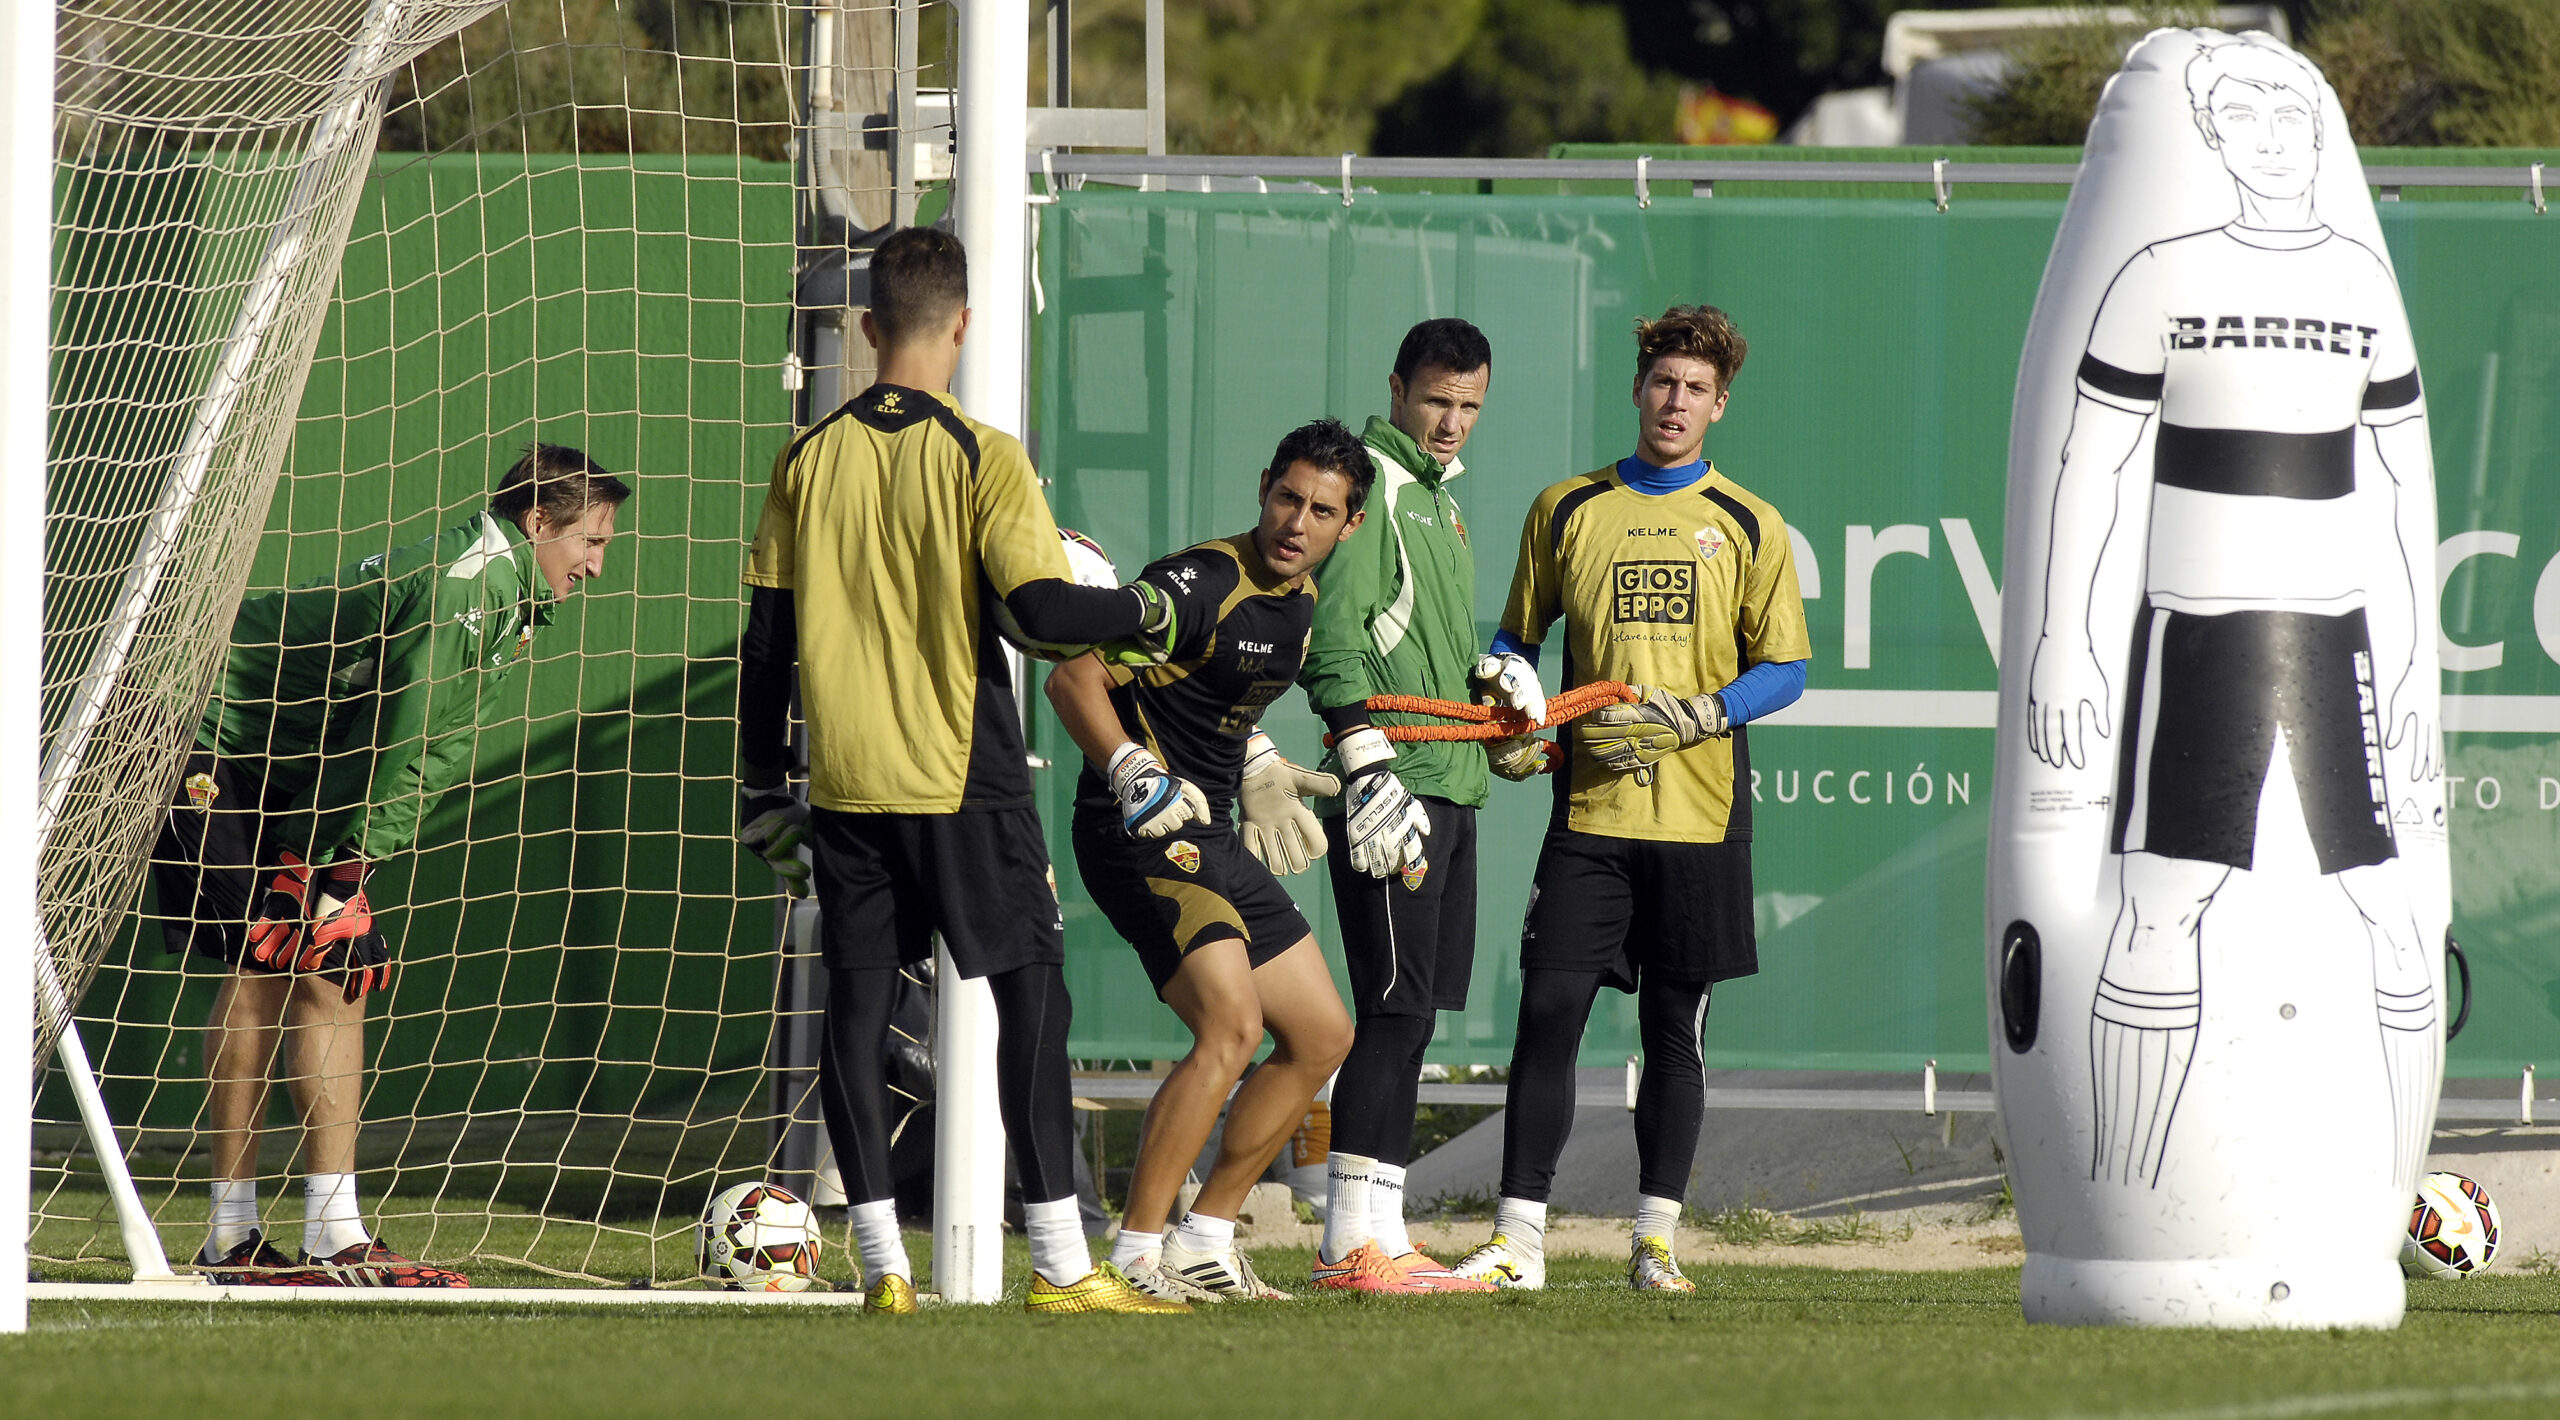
[
  {"x": 759, "y": 1237},
  {"x": 2453, "y": 1229},
  {"x": 1090, "y": 566}
]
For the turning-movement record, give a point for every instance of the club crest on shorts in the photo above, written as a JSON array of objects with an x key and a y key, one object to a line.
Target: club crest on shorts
[
  {"x": 1710, "y": 541},
  {"x": 1183, "y": 854},
  {"x": 1414, "y": 875},
  {"x": 202, "y": 791}
]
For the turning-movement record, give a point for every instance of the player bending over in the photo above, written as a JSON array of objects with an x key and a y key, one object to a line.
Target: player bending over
[
  {"x": 1674, "y": 580},
  {"x": 1218, "y": 936},
  {"x": 346, "y": 709},
  {"x": 1398, "y": 618},
  {"x": 889, "y": 525}
]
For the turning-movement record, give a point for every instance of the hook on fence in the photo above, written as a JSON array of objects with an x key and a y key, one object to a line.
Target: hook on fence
[
  {"x": 1346, "y": 179},
  {"x": 1644, "y": 188},
  {"x": 2533, "y": 180},
  {"x": 1938, "y": 179}
]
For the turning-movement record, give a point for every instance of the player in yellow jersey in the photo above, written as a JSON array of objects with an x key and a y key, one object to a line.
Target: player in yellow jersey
[
  {"x": 892, "y": 529},
  {"x": 1671, "y": 578}
]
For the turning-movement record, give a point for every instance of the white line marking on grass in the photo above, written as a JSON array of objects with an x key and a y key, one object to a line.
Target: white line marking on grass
[{"x": 2343, "y": 1404}]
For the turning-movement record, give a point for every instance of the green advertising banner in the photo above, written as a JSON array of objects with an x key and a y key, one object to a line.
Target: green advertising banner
[{"x": 1180, "y": 335}]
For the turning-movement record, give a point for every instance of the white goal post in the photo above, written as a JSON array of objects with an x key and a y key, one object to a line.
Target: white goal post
[
  {"x": 569, "y": 1058},
  {"x": 26, "y": 242}
]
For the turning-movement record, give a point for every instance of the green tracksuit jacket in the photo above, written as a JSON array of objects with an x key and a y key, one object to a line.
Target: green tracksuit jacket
[
  {"x": 353, "y": 698},
  {"x": 1396, "y": 614}
]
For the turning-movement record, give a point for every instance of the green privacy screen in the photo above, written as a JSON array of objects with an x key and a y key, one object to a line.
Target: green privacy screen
[
  {"x": 1181, "y": 334},
  {"x": 575, "y": 930}
]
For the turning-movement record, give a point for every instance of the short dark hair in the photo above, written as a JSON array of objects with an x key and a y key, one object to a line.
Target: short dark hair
[
  {"x": 919, "y": 280},
  {"x": 1327, "y": 445},
  {"x": 563, "y": 482},
  {"x": 1696, "y": 333},
  {"x": 1448, "y": 342}
]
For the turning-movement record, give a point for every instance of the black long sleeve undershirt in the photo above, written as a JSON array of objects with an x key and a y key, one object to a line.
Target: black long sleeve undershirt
[
  {"x": 767, "y": 655},
  {"x": 1056, "y": 610}
]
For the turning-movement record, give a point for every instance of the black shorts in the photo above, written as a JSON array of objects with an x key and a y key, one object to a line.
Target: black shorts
[
  {"x": 1167, "y": 896},
  {"x": 2208, "y": 695},
  {"x": 980, "y": 877},
  {"x": 1623, "y": 905},
  {"x": 1411, "y": 948},
  {"x": 209, "y": 861}
]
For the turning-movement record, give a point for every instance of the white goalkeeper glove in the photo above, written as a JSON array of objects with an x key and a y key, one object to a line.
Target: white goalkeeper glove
[
  {"x": 1384, "y": 821},
  {"x": 773, "y": 823},
  {"x": 1519, "y": 758},
  {"x": 1632, "y": 739},
  {"x": 1277, "y": 826},
  {"x": 1508, "y": 681},
  {"x": 1153, "y": 800}
]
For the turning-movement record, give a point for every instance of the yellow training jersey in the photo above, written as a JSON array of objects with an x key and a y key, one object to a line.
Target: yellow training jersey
[
  {"x": 893, "y": 521},
  {"x": 1680, "y": 591}
]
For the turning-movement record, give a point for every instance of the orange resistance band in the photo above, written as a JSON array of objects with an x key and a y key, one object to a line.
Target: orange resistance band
[{"x": 1486, "y": 722}]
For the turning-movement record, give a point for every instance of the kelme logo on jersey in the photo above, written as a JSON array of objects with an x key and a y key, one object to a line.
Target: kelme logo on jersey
[
  {"x": 1184, "y": 855},
  {"x": 1710, "y": 542},
  {"x": 1654, "y": 591},
  {"x": 202, "y": 791}
]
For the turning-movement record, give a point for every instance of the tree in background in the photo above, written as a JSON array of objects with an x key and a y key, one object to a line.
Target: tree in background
[
  {"x": 1537, "y": 73},
  {"x": 2462, "y": 73},
  {"x": 2467, "y": 73},
  {"x": 554, "y": 76}
]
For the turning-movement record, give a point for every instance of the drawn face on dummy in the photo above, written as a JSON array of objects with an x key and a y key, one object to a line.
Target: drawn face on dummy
[{"x": 2262, "y": 119}]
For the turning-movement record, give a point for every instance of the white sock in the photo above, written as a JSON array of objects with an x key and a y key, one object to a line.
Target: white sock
[
  {"x": 1200, "y": 1233},
  {"x": 1056, "y": 1230},
  {"x": 1525, "y": 1223},
  {"x": 330, "y": 1222},
  {"x": 1132, "y": 1245},
  {"x": 1657, "y": 1217},
  {"x": 1386, "y": 1209},
  {"x": 235, "y": 1214},
  {"x": 1346, "y": 1208},
  {"x": 883, "y": 1247}
]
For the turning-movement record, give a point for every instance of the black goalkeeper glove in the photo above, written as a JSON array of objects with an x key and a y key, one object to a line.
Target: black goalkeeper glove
[
  {"x": 773, "y": 823},
  {"x": 1157, "y": 634}
]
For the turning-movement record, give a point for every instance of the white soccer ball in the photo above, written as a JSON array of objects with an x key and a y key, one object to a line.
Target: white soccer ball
[
  {"x": 1090, "y": 566},
  {"x": 2453, "y": 1229},
  {"x": 759, "y": 1237}
]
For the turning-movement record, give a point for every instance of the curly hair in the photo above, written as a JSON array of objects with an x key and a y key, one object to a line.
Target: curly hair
[{"x": 1697, "y": 333}]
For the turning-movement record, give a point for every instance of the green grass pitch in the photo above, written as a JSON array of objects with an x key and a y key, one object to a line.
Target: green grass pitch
[{"x": 1794, "y": 1342}]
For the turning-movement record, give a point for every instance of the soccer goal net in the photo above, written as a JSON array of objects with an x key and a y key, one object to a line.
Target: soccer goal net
[{"x": 323, "y": 269}]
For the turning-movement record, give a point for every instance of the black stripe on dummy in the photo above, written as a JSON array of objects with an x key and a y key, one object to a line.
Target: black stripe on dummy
[
  {"x": 2098, "y": 375},
  {"x": 2393, "y": 394},
  {"x": 2256, "y": 463}
]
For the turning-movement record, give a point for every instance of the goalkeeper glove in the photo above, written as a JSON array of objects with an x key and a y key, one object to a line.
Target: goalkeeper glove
[
  {"x": 277, "y": 929},
  {"x": 773, "y": 823},
  {"x": 1384, "y": 821},
  {"x": 1153, "y": 800},
  {"x": 1633, "y": 738},
  {"x": 344, "y": 942},
  {"x": 1277, "y": 826},
  {"x": 1510, "y": 682},
  {"x": 1518, "y": 758},
  {"x": 1157, "y": 634}
]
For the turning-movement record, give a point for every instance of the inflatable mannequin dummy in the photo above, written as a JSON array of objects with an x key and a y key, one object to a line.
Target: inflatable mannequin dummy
[{"x": 2219, "y": 880}]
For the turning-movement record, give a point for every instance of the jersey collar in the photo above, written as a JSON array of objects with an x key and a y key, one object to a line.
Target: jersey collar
[
  {"x": 1706, "y": 474},
  {"x": 502, "y": 538},
  {"x": 1387, "y": 439}
]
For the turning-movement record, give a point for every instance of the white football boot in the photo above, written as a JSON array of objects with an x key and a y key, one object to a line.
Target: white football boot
[{"x": 1505, "y": 1264}]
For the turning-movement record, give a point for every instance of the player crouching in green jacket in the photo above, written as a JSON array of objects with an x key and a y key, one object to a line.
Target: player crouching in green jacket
[{"x": 346, "y": 708}]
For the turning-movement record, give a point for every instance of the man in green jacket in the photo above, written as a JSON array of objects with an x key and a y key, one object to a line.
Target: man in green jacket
[
  {"x": 1397, "y": 617},
  {"x": 346, "y": 708}
]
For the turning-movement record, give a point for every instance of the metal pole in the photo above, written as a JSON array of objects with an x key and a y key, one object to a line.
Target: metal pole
[
  {"x": 992, "y": 115},
  {"x": 26, "y": 278}
]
